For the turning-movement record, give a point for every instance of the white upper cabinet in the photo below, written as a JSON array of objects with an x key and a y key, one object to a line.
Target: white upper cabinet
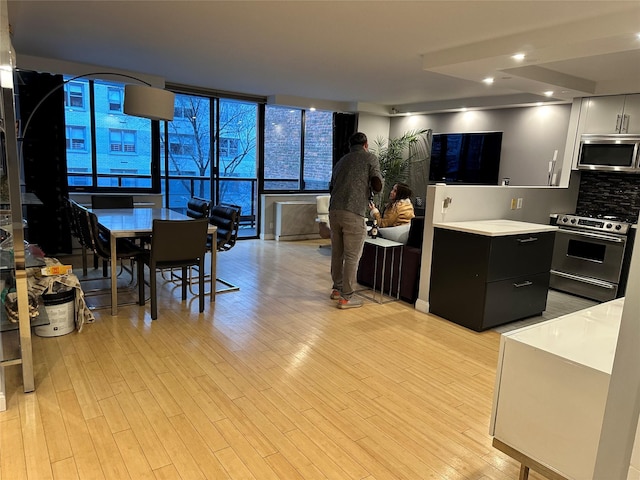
[{"x": 611, "y": 114}]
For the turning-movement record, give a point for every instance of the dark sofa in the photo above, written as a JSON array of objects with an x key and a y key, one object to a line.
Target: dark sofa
[{"x": 409, "y": 270}]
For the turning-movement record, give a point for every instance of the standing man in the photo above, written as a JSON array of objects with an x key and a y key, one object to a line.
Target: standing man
[{"x": 354, "y": 177}]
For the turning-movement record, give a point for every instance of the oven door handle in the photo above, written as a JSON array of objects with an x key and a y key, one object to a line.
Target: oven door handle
[
  {"x": 595, "y": 235},
  {"x": 590, "y": 281}
]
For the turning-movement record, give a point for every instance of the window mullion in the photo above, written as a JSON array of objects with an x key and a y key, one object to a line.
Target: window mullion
[
  {"x": 303, "y": 129},
  {"x": 94, "y": 154}
]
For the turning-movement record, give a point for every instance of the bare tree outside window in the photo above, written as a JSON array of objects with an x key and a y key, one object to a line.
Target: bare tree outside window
[
  {"x": 190, "y": 143},
  {"x": 238, "y": 125},
  {"x": 196, "y": 165}
]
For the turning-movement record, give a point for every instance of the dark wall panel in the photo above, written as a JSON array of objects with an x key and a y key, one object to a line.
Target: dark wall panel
[{"x": 344, "y": 125}]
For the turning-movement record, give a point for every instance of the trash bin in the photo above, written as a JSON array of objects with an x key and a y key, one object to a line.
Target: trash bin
[{"x": 60, "y": 308}]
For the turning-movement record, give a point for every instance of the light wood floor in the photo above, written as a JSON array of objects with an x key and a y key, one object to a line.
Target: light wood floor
[{"x": 271, "y": 382}]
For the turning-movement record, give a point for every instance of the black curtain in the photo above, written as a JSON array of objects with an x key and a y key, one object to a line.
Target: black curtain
[
  {"x": 44, "y": 159},
  {"x": 344, "y": 125}
]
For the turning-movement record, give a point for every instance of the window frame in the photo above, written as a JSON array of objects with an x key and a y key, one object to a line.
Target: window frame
[
  {"x": 123, "y": 132},
  {"x": 68, "y": 96},
  {"x": 90, "y": 172},
  {"x": 120, "y": 103},
  {"x": 70, "y": 138},
  {"x": 301, "y": 166}
]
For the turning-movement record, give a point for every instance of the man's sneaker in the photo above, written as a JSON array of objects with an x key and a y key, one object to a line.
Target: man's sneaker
[
  {"x": 335, "y": 294},
  {"x": 353, "y": 302}
]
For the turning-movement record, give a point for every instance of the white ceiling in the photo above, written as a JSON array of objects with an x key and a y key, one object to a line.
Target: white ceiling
[{"x": 413, "y": 56}]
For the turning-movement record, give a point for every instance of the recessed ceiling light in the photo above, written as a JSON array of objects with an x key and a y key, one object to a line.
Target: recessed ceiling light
[
  {"x": 488, "y": 80},
  {"x": 313, "y": 109},
  {"x": 548, "y": 93},
  {"x": 518, "y": 57}
]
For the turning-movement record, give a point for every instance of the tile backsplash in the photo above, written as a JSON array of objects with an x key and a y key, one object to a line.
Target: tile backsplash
[{"x": 607, "y": 193}]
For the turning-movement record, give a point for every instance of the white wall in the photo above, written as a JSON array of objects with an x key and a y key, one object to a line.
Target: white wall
[
  {"x": 530, "y": 136},
  {"x": 486, "y": 203},
  {"x": 374, "y": 127},
  {"x": 40, "y": 64}
]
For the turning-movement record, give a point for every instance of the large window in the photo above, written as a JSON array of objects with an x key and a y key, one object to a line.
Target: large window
[
  {"x": 318, "y": 150},
  {"x": 298, "y": 149},
  {"x": 186, "y": 165},
  {"x": 106, "y": 149},
  {"x": 237, "y": 160},
  {"x": 194, "y": 164},
  {"x": 211, "y": 149}
]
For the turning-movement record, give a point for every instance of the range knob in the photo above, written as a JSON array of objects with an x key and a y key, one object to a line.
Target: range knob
[
  {"x": 573, "y": 220},
  {"x": 608, "y": 225},
  {"x": 618, "y": 227},
  {"x": 565, "y": 219}
]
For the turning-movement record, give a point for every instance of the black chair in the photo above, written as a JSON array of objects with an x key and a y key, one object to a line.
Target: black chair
[
  {"x": 226, "y": 217},
  {"x": 77, "y": 231},
  {"x": 111, "y": 201},
  {"x": 198, "y": 207},
  {"x": 99, "y": 202},
  {"x": 99, "y": 242},
  {"x": 174, "y": 244}
]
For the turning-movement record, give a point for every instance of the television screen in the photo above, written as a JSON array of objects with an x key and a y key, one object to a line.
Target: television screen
[{"x": 466, "y": 158}]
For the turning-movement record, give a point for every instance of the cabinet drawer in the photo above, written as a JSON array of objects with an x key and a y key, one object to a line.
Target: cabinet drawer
[
  {"x": 516, "y": 255},
  {"x": 515, "y": 298}
]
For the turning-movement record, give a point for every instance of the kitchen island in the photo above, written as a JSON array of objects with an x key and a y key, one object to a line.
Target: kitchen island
[
  {"x": 490, "y": 272},
  {"x": 551, "y": 389}
]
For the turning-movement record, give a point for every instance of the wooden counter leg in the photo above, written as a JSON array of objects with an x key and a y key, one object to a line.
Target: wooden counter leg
[{"x": 526, "y": 463}]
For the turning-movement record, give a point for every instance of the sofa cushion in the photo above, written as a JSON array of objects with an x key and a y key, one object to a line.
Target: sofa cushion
[{"x": 397, "y": 234}]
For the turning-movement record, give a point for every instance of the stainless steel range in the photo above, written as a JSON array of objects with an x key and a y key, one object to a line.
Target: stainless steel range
[{"x": 591, "y": 256}]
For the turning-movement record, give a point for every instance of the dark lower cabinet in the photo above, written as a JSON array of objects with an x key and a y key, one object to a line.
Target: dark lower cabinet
[{"x": 480, "y": 281}]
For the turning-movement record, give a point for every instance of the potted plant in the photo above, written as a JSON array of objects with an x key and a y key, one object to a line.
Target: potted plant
[{"x": 396, "y": 156}]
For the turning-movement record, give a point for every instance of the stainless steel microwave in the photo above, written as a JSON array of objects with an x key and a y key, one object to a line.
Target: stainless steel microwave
[{"x": 613, "y": 153}]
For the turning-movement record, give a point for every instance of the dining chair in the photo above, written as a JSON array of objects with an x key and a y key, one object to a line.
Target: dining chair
[
  {"x": 111, "y": 201},
  {"x": 82, "y": 232},
  {"x": 77, "y": 232},
  {"x": 175, "y": 244},
  {"x": 198, "y": 207},
  {"x": 322, "y": 217},
  {"x": 100, "y": 243},
  {"x": 226, "y": 217},
  {"x": 99, "y": 202}
]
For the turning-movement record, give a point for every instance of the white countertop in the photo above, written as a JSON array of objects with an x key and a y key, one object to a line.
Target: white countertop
[
  {"x": 588, "y": 337},
  {"x": 495, "y": 228}
]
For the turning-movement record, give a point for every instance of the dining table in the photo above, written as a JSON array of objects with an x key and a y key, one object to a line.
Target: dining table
[{"x": 138, "y": 222}]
